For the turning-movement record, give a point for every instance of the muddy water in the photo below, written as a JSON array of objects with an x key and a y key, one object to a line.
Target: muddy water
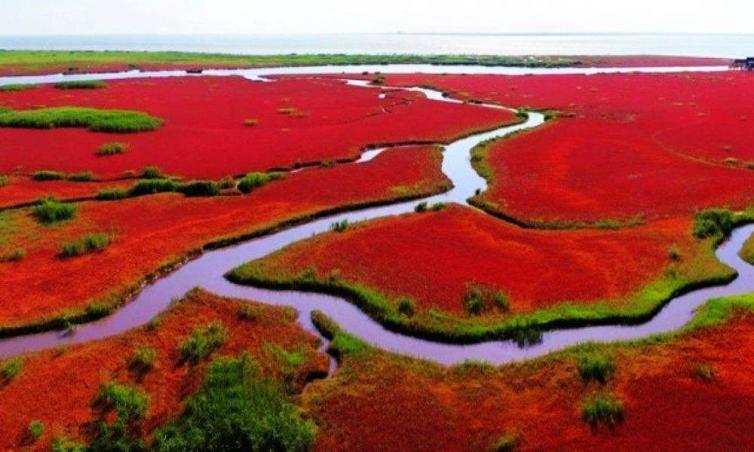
[{"x": 207, "y": 272}]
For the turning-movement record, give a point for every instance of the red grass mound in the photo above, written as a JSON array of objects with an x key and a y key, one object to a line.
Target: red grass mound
[
  {"x": 667, "y": 405},
  {"x": 151, "y": 231},
  {"x": 297, "y": 120},
  {"x": 57, "y": 387},
  {"x": 441, "y": 253},
  {"x": 632, "y": 144}
]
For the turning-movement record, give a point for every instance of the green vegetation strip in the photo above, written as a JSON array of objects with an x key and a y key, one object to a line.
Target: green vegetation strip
[
  {"x": 24, "y": 60},
  {"x": 95, "y": 120}
]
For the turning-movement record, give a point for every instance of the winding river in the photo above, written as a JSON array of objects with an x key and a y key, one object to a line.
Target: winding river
[{"x": 207, "y": 271}]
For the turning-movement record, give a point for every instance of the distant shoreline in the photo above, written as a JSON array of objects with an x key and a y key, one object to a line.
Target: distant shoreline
[{"x": 25, "y": 62}]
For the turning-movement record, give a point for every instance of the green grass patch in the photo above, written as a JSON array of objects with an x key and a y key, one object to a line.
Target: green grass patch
[
  {"x": 35, "y": 429},
  {"x": 255, "y": 180},
  {"x": 47, "y": 175},
  {"x": 114, "y": 148},
  {"x": 602, "y": 409},
  {"x": 95, "y": 120},
  {"x": 151, "y": 172},
  {"x": 747, "y": 251},
  {"x": 81, "y": 84},
  {"x": 202, "y": 342},
  {"x": 143, "y": 359},
  {"x": 152, "y": 186},
  {"x": 341, "y": 343},
  {"x": 127, "y": 401},
  {"x": 198, "y": 188},
  {"x": 11, "y": 368},
  {"x": 52, "y": 211},
  {"x": 90, "y": 243},
  {"x": 237, "y": 409},
  {"x": 595, "y": 367},
  {"x": 111, "y": 194},
  {"x": 713, "y": 223},
  {"x": 17, "y": 87},
  {"x": 84, "y": 176}
]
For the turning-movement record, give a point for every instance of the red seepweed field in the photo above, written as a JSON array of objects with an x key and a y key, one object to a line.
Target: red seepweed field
[
  {"x": 587, "y": 219},
  {"x": 206, "y": 134}
]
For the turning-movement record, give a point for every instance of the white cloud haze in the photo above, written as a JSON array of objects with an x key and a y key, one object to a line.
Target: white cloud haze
[{"x": 463, "y": 16}]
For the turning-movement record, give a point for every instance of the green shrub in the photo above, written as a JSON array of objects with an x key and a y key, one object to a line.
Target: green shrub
[
  {"x": 595, "y": 367},
  {"x": 14, "y": 256},
  {"x": 438, "y": 206},
  {"x": 255, "y": 180},
  {"x": 12, "y": 368},
  {"x": 226, "y": 183},
  {"x": 80, "y": 84},
  {"x": 421, "y": 207},
  {"x": 406, "y": 307},
  {"x": 36, "y": 429},
  {"x": 152, "y": 186},
  {"x": 111, "y": 194},
  {"x": 47, "y": 175},
  {"x": 602, "y": 409},
  {"x": 63, "y": 444},
  {"x": 713, "y": 222},
  {"x": 111, "y": 121},
  {"x": 199, "y": 188},
  {"x": 525, "y": 332},
  {"x": 128, "y": 402},
  {"x": 89, "y": 243},
  {"x": 143, "y": 359},
  {"x": 479, "y": 298},
  {"x": 236, "y": 409},
  {"x": 202, "y": 342},
  {"x": 472, "y": 301},
  {"x": 3, "y": 180},
  {"x": 50, "y": 211},
  {"x": 81, "y": 177},
  {"x": 151, "y": 172},
  {"x": 339, "y": 226},
  {"x": 111, "y": 149}
]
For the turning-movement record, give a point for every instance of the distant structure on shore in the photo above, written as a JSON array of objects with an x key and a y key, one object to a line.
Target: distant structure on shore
[{"x": 744, "y": 64}]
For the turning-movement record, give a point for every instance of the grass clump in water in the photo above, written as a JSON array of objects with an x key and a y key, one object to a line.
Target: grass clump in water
[
  {"x": 111, "y": 121},
  {"x": 112, "y": 149},
  {"x": 602, "y": 409},
  {"x": 595, "y": 367},
  {"x": 51, "y": 211},
  {"x": 89, "y": 243},
  {"x": 81, "y": 84},
  {"x": 255, "y": 180},
  {"x": 340, "y": 226},
  {"x": 202, "y": 342},
  {"x": 237, "y": 409}
]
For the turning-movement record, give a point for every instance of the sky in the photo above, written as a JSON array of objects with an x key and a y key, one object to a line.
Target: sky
[{"x": 34, "y": 17}]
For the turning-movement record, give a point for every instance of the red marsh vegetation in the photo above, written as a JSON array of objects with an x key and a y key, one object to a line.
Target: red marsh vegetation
[
  {"x": 152, "y": 231},
  {"x": 215, "y": 127}
]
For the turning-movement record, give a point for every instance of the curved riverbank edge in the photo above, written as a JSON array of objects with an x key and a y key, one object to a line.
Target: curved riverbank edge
[
  {"x": 68, "y": 319},
  {"x": 524, "y": 328}
]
